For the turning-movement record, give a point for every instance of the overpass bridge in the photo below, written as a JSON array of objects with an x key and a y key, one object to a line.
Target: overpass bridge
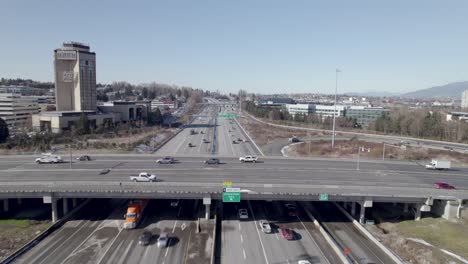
[{"x": 271, "y": 179}]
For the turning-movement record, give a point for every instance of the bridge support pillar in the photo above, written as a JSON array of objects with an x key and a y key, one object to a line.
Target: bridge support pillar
[
  {"x": 6, "y": 206},
  {"x": 54, "y": 210},
  {"x": 417, "y": 213},
  {"x": 65, "y": 206},
  {"x": 74, "y": 202},
  {"x": 405, "y": 208},
  {"x": 353, "y": 209},
  {"x": 19, "y": 201},
  {"x": 362, "y": 215},
  {"x": 459, "y": 209},
  {"x": 207, "y": 203}
]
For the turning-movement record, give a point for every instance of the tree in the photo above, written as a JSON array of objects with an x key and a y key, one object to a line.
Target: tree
[
  {"x": 155, "y": 117},
  {"x": 144, "y": 92},
  {"x": 4, "y": 133},
  {"x": 83, "y": 124}
]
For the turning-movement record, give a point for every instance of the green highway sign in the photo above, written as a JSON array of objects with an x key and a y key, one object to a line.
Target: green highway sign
[
  {"x": 231, "y": 197},
  {"x": 226, "y": 116},
  {"x": 323, "y": 197}
]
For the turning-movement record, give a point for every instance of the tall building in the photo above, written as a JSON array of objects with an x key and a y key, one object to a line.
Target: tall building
[
  {"x": 464, "y": 101},
  {"x": 17, "y": 110},
  {"x": 75, "y": 77}
]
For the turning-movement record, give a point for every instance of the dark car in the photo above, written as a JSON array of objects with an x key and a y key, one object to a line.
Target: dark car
[
  {"x": 286, "y": 233},
  {"x": 212, "y": 161},
  {"x": 443, "y": 185},
  {"x": 84, "y": 158},
  {"x": 145, "y": 238}
]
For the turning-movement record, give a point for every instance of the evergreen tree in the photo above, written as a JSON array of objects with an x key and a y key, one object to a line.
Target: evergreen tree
[
  {"x": 4, "y": 132},
  {"x": 83, "y": 124}
]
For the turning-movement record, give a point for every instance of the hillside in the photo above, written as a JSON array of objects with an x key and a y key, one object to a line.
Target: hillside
[{"x": 451, "y": 90}]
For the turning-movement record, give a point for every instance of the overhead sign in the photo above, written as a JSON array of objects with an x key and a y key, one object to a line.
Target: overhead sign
[
  {"x": 323, "y": 197},
  {"x": 226, "y": 116},
  {"x": 231, "y": 197},
  {"x": 227, "y": 184},
  {"x": 65, "y": 55}
]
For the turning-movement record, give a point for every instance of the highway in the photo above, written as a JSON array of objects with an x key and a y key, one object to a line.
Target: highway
[{"x": 96, "y": 236}]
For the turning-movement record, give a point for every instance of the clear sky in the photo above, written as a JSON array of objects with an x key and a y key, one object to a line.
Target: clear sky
[{"x": 263, "y": 46}]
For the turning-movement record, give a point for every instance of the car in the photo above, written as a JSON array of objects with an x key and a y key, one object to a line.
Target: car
[
  {"x": 206, "y": 140},
  {"x": 243, "y": 214},
  {"x": 201, "y": 132},
  {"x": 143, "y": 177},
  {"x": 234, "y": 142},
  {"x": 212, "y": 161},
  {"x": 443, "y": 185},
  {"x": 265, "y": 226},
  {"x": 294, "y": 139},
  {"x": 190, "y": 145},
  {"x": 166, "y": 160},
  {"x": 240, "y": 139},
  {"x": 286, "y": 233},
  {"x": 175, "y": 203},
  {"x": 84, "y": 158},
  {"x": 302, "y": 261},
  {"x": 49, "y": 159},
  {"x": 162, "y": 240},
  {"x": 290, "y": 206},
  {"x": 248, "y": 158},
  {"x": 145, "y": 238}
]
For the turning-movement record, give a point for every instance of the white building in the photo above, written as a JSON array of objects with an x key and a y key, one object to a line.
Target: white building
[
  {"x": 17, "y": 110},
  {"x": 162, "y": 104},
  {"x": 329, "y": 110},
  {"x": 464, "y": 100},
  {"x": 303, "y": 109}
]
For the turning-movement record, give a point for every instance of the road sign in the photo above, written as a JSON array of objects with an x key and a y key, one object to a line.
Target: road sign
[
  {"x": 232, "y": 189},
  {"x": 323, "y": 197},
  {"x": 231, "y": 197},
  {"x": 227, "y": 184},
  {"x": 225, "y": 116}
]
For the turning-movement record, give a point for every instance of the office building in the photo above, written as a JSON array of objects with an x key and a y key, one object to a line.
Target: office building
[
  {"x": 17, "y": 110},
  {"x": 330, "y": 110},
  {"x": 365, "y": 115},
  {"x": 75, "y": 77},
  {"x": 304, "y": 109},
  {"x": 162, "y": 104}
]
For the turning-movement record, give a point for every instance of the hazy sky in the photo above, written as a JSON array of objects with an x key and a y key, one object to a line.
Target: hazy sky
[{"x": 267, "y": 46}]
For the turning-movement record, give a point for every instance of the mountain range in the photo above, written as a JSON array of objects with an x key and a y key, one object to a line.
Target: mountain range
[{"x": 451, "y": 90}]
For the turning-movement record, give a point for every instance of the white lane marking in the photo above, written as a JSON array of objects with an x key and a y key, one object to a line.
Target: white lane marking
[
  {"x": 258, "y": 233},
  {"x": 277, "y": 237},
  {"x": 167, "y": 247},
  {"x": 173, "y": 229},
  {"x": 109, "y": 247},
  {"x": 242, "y": 239},
  {"x": 245, "y": 256},
  {"x": 178, "y": 214},
  {"x": 240, "y": 226}
]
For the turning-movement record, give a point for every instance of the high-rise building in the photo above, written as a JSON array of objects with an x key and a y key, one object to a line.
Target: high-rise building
[
  {"x": 75, "y": 77},
  {"x": 464, "y": 100},
  {"x": 17, "y": 110}
]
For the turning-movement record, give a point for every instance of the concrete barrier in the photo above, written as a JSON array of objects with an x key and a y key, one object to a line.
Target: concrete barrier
[
  {"x": 44, "y": 234},
  {"x": 336, "y": 248},
  {"x": 213, "y": 257},
  {"x": 251, "y": 140},
  {"x": 363, "y": 230}
]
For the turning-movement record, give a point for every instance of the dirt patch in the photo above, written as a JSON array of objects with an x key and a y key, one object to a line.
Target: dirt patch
[{"x": 16, "y": 233}]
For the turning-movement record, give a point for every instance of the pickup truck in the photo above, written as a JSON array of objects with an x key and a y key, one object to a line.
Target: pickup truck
[
  {"x": 265, "y": 226},
  {"x": 143, "y": 177},
  {"x": 438, "y": 165},
  {"x": 49, "y": 159},
  {"x": 248, "y": 159}
]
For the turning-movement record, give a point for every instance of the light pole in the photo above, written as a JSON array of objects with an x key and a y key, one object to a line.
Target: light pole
[
  {"x": 334, "y": 110},
  {"x": 71, "y": 159}
]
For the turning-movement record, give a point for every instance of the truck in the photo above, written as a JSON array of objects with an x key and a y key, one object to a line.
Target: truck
[
  {"x": 134, "y": 213},
  {"x": 248, "y": 158},
  {"x": 438, "y": 165},
  {"x": 143, "y": 177}
]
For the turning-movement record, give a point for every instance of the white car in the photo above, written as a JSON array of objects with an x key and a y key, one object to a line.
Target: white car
[
  {"x": 265, "y": 226},
  {"x": 243, "y": 214},
  {"x": 175, "y": 203},
  {"x": 49, "y": 159},
  {"x": 303, "y": 262},
  {"x": 162, "y": 240},
  {"x": 143, "y": 177},
  {"x": 248, "y": 158}
]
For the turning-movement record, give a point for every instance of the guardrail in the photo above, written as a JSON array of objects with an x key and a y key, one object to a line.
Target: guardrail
[
  {"x": 336, "y": 248},
  {"x": 363, "y": 230},
  {"x": 44, "y": 234}
]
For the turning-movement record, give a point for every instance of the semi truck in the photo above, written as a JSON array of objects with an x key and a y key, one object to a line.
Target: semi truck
[
  {"x": 438, "y": 165},
  {"x": 134, "y": 213}
]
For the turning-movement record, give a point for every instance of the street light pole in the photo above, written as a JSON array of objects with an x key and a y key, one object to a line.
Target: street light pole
[
  {"x": 358, "y": 158},
  {"x": 383, "y": 152},
  {"x": 70, "y": 149},
  {"x": 334, "y": 110}
]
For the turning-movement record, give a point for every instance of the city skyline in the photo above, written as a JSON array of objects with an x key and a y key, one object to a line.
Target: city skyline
[{"x": 259, "y": 47}]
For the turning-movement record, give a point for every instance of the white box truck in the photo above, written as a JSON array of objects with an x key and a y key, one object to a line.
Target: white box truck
[{"x": 438, "y": 165}]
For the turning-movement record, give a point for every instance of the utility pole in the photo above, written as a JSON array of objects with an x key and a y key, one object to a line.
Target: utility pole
[{"x": 334, "y": 110}]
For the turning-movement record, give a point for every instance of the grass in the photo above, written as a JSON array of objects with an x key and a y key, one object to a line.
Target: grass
[
  {"x": 451, "y": 236},
  {"x": 20, "y": 223}
]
